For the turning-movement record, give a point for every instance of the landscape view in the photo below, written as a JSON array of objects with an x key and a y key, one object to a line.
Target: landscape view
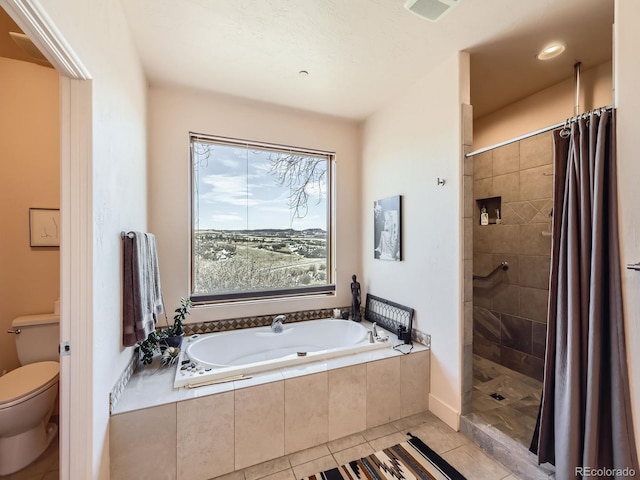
[
  {"x": 240, "y": 260},
  {"x": 260, "y": 218}
]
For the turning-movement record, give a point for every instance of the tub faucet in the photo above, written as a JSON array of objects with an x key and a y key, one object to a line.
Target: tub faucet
[
  {"x": 373, "y": 333},
  {"x": 276, "y": 325}
]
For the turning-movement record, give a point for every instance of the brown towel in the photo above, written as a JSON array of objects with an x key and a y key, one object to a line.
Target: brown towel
[{"x": 142, "y": 296}]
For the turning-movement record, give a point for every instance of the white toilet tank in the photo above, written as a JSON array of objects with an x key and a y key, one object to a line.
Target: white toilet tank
[{"x": 38, "y": 338}]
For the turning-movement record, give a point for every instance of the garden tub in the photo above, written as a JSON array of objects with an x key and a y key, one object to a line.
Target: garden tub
[{"x": 237, "y": 354}]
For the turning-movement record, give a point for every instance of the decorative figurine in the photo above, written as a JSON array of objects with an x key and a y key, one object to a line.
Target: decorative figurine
[{"x": 355, "y": 299}]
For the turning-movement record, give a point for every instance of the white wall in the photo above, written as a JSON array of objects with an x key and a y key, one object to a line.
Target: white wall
[
  {"x": 406, "y": 146},
  {"x": 627, "y": 80},
  {"x": 173, "y": 113},
  {"x": 547, "y": 107},
  {"x": 99, "y": 34}
]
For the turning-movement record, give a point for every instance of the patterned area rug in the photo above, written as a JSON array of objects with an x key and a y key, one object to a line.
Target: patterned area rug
[{"x": 412, "y": 460}]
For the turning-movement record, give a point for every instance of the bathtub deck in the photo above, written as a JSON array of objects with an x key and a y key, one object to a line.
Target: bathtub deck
[{"x": 152, "y": 385}]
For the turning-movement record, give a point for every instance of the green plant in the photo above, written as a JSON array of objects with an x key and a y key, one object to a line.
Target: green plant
[
  {"x": 156, "y": 339},
  {"x": 180, "y": 314}
]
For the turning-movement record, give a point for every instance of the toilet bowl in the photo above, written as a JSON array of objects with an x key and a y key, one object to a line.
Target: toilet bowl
[{"x": 27, "y": 398}]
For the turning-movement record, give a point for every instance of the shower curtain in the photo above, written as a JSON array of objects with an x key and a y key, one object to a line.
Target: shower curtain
[{"x": 585, "y": 420}]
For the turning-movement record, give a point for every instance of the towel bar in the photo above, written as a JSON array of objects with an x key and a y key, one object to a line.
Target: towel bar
[
  {"x": 126, "y": 234},
  {"x": 634, "y": 266}
]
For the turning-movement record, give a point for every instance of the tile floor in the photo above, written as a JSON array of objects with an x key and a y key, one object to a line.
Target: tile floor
[
  {"x": 516, "y": 414},
  {"x": 454, "y": 447},
  {"x": 46, "y": 467}
]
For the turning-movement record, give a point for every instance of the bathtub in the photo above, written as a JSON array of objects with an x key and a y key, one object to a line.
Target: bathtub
[{"x": 230, "y": 355}]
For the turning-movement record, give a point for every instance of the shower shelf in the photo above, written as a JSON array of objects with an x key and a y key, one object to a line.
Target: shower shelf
[{"x": 493, "y": 206}]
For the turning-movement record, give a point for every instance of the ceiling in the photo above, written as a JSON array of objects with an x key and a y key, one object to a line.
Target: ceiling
[
  {"x": 360, "y": 54},
  {"x": 505, "y": 68}
]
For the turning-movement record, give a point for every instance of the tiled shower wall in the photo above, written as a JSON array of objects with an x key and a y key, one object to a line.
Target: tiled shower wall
[{"x": 510, "y": 308}]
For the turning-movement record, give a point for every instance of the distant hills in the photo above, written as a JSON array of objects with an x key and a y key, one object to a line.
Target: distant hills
[{"x": 274, "y": 232}]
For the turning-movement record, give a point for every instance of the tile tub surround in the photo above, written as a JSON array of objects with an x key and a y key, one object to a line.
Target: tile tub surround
[
  {"x": 257, "y": 321},
  {"x": 248, "y": 422},
  {"x": 510, "y": 308},
  {"x": 122, "y": 381},
  {"x": 263, "y": 320},
  {"x": 420, "y": 339}
]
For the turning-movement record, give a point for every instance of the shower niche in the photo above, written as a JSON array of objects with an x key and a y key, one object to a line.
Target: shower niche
[{"x": 493, "y": 206}]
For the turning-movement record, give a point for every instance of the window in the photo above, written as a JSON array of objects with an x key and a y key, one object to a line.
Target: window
[{"x": 261, "y": 220}]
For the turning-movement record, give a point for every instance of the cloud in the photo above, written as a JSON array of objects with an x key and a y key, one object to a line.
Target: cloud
[
  {"x": 233, "y": 182},
  {"x": 234, "y": 190},
  {"x": 226, "y": 218},
  {"x": 275, "y": 208},
  {"x": 230, "y": 189}
]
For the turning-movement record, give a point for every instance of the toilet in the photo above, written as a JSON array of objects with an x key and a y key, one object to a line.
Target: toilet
[{"x": 28, "y": 393}]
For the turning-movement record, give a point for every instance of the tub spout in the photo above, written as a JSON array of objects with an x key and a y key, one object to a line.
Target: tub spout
[{"x": 276, "y": 325}]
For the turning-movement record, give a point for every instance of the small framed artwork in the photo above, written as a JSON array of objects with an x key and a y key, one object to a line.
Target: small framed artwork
[
  {"x": 44, "y": 227},
  {"x": 387, "y": 234}
]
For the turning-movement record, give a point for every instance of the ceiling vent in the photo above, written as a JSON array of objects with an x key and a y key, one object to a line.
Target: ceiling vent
[{"x": 432, "y": 10}]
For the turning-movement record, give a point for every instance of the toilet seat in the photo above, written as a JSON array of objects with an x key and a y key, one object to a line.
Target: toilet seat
[{"x": 26, "y": 382}]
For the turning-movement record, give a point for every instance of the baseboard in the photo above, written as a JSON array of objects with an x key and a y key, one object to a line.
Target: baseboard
[{"x": 444, "y": 412}]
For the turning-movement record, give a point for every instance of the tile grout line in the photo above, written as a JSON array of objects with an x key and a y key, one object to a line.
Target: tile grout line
[
  {"x": 368, "y": 443},
  {"x": 333, "y": 454}
]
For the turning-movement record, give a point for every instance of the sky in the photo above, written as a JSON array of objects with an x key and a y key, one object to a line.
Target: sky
[{"x": 234, "y": 189}]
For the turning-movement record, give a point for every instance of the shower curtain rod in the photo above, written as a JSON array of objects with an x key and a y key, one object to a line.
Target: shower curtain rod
[{"x": 532, "y": 134}]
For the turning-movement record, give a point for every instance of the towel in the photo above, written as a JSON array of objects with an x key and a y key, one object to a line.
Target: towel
[{"x": 142, "y": 296}]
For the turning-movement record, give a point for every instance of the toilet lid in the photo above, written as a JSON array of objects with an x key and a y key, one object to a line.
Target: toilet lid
[{"x": 27, "y": 379}]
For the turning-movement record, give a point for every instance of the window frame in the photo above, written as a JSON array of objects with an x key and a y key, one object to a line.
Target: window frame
[{"x": 274, "y": 293}]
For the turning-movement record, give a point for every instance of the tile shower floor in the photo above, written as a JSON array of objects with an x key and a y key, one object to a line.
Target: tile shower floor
[
  {"x": 516, "y": 413},
  {"x": 453, "y": 446}
]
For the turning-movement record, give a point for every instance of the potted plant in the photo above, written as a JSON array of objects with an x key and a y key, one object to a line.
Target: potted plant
[
  {"x": 176, "y": 332},
  {"x": 167, "y": 339}
]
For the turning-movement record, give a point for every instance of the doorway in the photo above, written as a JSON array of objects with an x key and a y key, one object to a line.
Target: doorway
[{"x": 75, "y": 234}]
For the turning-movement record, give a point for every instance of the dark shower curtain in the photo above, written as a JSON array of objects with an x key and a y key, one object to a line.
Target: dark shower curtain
[{"x": 585, "y": 419}]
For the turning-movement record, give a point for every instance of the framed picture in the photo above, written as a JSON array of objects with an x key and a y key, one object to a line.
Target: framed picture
[
  {"x": 387, "y": 235},
  {"x": 44, "y": 227}
]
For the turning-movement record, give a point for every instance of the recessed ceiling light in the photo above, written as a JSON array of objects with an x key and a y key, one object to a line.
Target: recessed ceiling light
[
  {"x": 303, "y": 73},
  {"x": 551, "y": 51}
]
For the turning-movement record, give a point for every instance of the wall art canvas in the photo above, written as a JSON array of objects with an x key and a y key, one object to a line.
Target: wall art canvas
[
  {"x": 387, "y": 221},
  {"x": 44, "y": 227}
]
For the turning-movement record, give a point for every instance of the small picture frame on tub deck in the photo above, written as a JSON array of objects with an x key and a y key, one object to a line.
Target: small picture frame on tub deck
[{"x": 44, "y": 227}]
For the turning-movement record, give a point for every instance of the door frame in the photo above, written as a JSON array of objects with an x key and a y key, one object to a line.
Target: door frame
[{"x": 76, "y": 245}]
